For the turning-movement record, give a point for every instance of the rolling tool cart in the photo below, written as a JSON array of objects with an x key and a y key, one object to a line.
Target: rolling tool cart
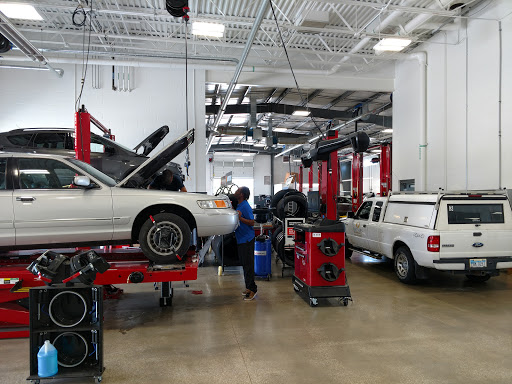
[
  {"x": 320, "y": 261},
  {"x": 320, "y": 247}
]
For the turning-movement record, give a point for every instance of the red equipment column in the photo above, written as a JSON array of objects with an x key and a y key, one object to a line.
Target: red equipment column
[
  {"x": 322, "y": 181},
  {"x": 385, "y": 169},
  {"x": 310, "y": 177},
  {"x": 83, "y": 136},
  {"x": 301, "y": 177},
  {"x": 357, "y": 181},
  {"x": 333, "y": 183}
]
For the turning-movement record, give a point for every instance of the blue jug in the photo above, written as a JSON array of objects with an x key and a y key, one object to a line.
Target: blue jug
[{"x": 47, "y": 360}]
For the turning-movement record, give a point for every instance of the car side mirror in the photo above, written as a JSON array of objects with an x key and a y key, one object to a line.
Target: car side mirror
[
  {"x": 82, "y": 181},
  {"x": 350, "y": 215}
]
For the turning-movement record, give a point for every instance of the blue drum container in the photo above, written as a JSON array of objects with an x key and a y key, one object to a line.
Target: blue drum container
[{"x": 263, "y": 257}]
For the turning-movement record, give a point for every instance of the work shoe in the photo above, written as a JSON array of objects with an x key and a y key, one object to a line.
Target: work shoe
[
  {"x": 246, "y": 292},
  {"x": 250, "y": 296}
]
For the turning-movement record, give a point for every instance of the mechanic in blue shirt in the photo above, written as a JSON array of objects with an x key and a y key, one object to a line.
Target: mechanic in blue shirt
[
  {"x": 167, "y": 181},
  {"x": 245, "y": 240}
]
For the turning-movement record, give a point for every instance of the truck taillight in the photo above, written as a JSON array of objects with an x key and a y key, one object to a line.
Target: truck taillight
[{"x": 433, "y": 243}]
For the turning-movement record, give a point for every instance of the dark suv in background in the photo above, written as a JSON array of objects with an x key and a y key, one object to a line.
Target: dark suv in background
[{"x": 108, "y": 156}]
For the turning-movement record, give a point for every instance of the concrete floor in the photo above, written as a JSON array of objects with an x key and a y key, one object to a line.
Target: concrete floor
[{"x": 445, "y": 330}]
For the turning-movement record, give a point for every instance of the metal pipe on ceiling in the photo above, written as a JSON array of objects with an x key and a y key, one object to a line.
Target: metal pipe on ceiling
[
  {"x": 238, "y": 70},
  {"x": 14, "y": 36}
]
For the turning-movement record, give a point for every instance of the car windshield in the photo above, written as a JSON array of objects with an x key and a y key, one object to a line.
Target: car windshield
[
  {"x": 94, "y": 172},
  {"x": 115, "y": 143}
]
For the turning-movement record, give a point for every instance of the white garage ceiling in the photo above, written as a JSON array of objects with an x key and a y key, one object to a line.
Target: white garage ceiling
[{"x": 321, "y": 36}]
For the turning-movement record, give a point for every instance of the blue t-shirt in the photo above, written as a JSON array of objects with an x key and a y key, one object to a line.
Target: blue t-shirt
[{"x": 244, "y": 232}]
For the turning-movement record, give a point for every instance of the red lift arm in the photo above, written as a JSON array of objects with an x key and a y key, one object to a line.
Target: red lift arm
[{"x": 126, "y": 267}]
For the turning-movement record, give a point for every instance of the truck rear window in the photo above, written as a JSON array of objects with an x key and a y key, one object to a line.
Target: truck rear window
[{"x": 475, "y": 213}]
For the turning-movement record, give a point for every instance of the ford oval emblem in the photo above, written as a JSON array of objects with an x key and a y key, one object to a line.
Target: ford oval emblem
[{"x": 478, "y": 245}]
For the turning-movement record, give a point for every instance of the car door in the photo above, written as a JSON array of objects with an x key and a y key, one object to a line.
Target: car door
[
  {"x": 49, "y": 209},
  {"x": 374, "y": 232},
  {"x": 7, "y": 235},
  {"x": 360, "y": 225}
]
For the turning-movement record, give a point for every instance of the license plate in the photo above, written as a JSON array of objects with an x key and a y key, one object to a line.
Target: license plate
[{"x": 477, "y": 263}]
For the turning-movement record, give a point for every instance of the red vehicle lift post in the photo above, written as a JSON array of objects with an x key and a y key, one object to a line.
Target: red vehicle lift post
[
  {"x": 357, "y": 181},
  {"x": 385, "y": 169}
]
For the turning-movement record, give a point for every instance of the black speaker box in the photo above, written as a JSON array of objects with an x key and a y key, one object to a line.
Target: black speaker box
[{"x": 72, "y": 319}]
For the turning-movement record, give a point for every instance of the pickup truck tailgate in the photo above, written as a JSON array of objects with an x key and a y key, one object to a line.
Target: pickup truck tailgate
[
  {"x": 475, "y": 243},
  {"x": 478, "y": 230}
]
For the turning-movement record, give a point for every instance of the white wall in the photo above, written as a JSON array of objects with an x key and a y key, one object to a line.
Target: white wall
[
  {"x": 462, "y": 117},
  {"x": 41, "y": 99},
  {"x": 261, "y": 169}
]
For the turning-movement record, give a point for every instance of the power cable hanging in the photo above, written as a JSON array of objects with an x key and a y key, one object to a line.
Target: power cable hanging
[
  {"x": 180, "y": 8},
  {"x": 186, "y": 18},
  {"x": 303, "y": 99},
  {"x": 85, "y": 58}
]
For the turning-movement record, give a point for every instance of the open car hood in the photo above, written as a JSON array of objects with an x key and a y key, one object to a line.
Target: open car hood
[
  {"x": 150, "y": 142},
  {"x": 140, "y": 176}
]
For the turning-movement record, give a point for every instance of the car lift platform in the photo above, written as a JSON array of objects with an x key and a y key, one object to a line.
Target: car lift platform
[{"x": 127, "y": 266}]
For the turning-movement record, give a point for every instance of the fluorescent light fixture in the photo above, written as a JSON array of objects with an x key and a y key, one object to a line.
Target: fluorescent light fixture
[
  {"x": 239, "y": 160},
  {"x": 392, "y": 44},
  {"x": 207, "y": 29},
  {"x": 297, "y": 160},
  {"x": 20, "y": 11},
  {"x": 301, "y": 112},
  {"x": 279, "y": 129},
  {"x": 388, "y": 130}
]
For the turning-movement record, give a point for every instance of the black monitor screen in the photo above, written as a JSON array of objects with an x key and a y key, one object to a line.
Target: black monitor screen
[{"x": 314, "y": 201}]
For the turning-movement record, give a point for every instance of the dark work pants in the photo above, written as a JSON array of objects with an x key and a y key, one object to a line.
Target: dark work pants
[{"x": 246, "y": 255}]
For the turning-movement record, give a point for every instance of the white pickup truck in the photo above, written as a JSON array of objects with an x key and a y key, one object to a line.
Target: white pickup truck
[{"x": 460, "y": 232}]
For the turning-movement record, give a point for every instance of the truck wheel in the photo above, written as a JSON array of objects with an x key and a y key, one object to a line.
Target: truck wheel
[
  {"x": 404, "y": 265},
  {"x": 478, "y": 278},
  {"x": 348, "y": 252},
  {"x": 168, "y": 237}
]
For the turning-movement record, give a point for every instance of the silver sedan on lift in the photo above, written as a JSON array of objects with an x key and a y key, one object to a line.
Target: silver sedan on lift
[{"x": 52, "y": 201}]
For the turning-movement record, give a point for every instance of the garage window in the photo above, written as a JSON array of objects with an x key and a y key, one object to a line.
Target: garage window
[{"x": 45, "y": 174}]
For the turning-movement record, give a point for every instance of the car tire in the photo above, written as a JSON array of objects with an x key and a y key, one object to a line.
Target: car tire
[
  {"x": 275, "y": 235},
  {"x": 165, "y": 240},
  {"x": 299, "y": 204},
  {"x": 404, "y": 266},
  {"x": 279, "y": 195},
  {"x": 478, "y": 278}
]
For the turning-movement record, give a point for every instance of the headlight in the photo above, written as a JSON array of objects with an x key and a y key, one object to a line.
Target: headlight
[{"x": 206, "y": 204}]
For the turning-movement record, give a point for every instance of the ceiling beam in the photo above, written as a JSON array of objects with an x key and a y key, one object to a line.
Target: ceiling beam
[
  {"x": 310, "y": 97},
  {"x": 270, "y": 96},
  {"x": 335, "y": 101},
  {"x": 285, "y": 109},
  {"x": 282, "y": 95}
]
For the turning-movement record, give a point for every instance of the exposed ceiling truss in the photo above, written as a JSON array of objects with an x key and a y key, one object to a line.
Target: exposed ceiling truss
[{"x": 332, "y": 36}]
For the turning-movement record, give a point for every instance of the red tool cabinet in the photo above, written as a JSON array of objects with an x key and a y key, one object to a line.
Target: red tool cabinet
[{"x": 320, "y": 261}]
